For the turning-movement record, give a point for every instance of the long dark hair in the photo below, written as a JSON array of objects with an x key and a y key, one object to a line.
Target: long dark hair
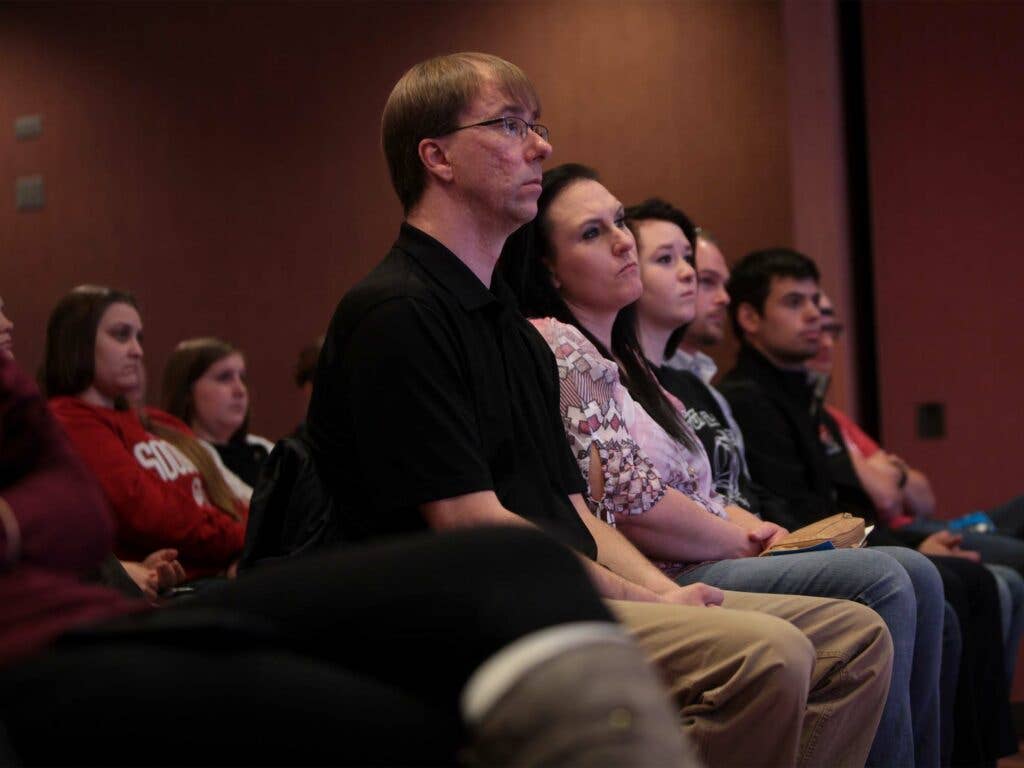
[
  {"x": 656, "y": 209},
  {"x": 524, "y": 266},
  {"x": 69, "y": 357}
]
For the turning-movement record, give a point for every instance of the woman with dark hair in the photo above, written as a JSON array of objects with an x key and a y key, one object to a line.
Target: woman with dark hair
[
  {"x": 164, "y": 488},
  {"x": 575, "y": 269},
  {"x": 206, "y": 386}
]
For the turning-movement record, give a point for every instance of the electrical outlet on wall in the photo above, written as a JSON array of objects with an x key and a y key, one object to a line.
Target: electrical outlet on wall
[
  {"x": 29, "y": 194},
  {"x": 28, "y": 127},
  {"x": 931, "y": 421}
]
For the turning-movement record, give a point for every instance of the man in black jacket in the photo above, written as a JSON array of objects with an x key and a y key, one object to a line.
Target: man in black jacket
[{"x": 795, "y": 449}]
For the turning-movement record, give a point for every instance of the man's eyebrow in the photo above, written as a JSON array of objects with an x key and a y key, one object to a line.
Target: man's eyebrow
[{"x": 517, "y": 109}]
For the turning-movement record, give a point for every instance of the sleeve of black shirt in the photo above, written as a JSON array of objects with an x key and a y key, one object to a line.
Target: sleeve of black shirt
[
  {"x": 413, "y": 425},
  {"x": 568, "y": 470},
  {"x": 773, "y": 455}
]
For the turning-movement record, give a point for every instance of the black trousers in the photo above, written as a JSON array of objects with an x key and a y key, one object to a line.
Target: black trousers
[
  {"x": 983, "y": 722},
  {"x": 352, "y": 656}
]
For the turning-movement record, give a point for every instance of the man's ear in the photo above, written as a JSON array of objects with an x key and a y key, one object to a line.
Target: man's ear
[
  {"x": 748, "y": 318},
  {"x": 435, "y": 159}
]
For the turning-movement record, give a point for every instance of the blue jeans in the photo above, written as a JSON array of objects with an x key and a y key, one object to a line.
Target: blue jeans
[
  {"x": 909, "y": 600},
  {"x": 952, "y": 647},
  {"x": 932, "y": 669},
  {"x": 1011, "y": 604}
]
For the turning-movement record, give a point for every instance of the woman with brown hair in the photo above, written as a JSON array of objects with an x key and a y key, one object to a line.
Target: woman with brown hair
[
  {"x": 206, "y": 386},
  {"x": 576, "y": 270},
  {"x": 163, "y": 487}
]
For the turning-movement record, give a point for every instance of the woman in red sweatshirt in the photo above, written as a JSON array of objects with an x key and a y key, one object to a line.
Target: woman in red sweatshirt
[{"x": 162, "y": 486}]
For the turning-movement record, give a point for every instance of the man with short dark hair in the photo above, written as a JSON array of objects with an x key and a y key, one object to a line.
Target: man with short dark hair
[
  {"x": 774, "y": 313},
  {"x": 435, "y": 406},
  {"x": 910, "y": 724},
  {"x": 896, "y": 488},
  {"x": 795, "y": 448}
]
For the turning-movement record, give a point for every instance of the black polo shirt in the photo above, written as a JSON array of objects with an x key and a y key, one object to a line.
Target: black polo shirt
[{"x": 430, "y": 386}]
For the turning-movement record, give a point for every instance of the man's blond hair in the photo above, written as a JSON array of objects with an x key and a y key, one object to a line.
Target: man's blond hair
[{"x": 427, "y": 102}]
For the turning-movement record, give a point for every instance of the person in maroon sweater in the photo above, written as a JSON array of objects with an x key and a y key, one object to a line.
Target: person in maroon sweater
[
  {"x": 163, "y": 488},
  {"x": 315, "y": 661},
  {"x": 53, "y": 527}
]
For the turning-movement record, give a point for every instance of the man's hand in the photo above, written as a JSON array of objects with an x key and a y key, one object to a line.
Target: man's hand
[
  {"x": 699, "y": 594},
  {"x": 947, "y": 544},
  {"x": 886, "y": 465},
  {"x": 766, "y": 535},
  {"x": 896, "y": 461}
]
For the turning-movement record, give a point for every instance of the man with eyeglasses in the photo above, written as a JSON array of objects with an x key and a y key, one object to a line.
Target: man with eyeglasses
[
  {"x": 905, "y": 501},
  {"x": 436, "y": 405},
  {"x": 902, "y": 494}
]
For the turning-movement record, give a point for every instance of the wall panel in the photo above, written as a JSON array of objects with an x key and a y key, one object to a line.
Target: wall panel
[
  {"x": 223, "y": 161},
  {"x": 945, "y": 120}
]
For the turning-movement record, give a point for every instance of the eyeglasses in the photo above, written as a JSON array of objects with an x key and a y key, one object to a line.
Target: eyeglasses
[{"x": 511, "y": 126}]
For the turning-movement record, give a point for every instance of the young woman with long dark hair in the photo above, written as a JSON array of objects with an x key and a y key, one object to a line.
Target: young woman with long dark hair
[
  {"x": 575, "y": 268},
  {"x": 205, "y": 384}
]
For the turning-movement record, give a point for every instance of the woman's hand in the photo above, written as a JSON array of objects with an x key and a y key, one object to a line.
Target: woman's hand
[
  {"x": 766, "y": 535},
  {"x": 159, "y": 572}
]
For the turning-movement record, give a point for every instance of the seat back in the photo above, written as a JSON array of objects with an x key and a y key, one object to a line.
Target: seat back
[{"x": 291, "y": 511}]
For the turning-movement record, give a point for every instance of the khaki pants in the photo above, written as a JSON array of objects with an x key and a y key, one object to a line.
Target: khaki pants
[{"x": 773, "y": 680}]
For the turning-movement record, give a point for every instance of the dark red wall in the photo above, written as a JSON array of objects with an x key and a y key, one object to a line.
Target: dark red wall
[
  {"x": 946, "y": 120},
  {"x": 223, "y": 161}
]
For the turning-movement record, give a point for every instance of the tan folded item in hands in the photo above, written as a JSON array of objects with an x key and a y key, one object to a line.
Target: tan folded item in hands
[{"x": 844, "y": 531}]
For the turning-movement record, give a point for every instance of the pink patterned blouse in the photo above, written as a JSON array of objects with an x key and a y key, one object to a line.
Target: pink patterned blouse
[{"x": 639, "y": 459}]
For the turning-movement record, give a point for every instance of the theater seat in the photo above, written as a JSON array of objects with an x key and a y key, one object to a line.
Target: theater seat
[{"x": 291, "y": 511}]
